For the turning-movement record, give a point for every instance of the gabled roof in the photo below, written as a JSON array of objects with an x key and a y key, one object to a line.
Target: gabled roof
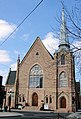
[
  {"x": 11, "y": 78},
  {"x": 37, "y": 40}
]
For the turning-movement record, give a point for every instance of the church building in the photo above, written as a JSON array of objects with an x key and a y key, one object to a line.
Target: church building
[{"x": 43, "y": 81}]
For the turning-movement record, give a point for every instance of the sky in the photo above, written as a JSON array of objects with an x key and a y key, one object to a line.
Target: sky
[{"x": 42, "y": 22}]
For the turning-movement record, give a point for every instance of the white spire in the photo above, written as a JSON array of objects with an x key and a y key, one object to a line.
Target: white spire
[{"x": 64, "y": 42}]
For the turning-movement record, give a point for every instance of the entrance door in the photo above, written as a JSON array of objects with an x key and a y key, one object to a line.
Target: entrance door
[
  {"x": 63, "y": 102},
  {"x": 34, "y": 99},
  {"x": 9, "y": 101}
]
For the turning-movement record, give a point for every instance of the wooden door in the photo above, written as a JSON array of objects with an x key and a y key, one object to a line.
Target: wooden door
[
  {"x": 63, "y": 102},
  {"x": 35, "y": 99}
]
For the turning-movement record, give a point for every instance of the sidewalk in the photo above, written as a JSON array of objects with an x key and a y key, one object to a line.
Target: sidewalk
[{"x": 11, "y": 114}]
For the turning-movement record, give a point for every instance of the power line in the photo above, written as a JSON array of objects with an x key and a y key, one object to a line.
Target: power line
[{"x": 22, "y": 22}]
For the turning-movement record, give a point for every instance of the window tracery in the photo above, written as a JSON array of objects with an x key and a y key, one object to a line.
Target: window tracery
[
  {"x": 63, "y": 81},
  {"x": 36, "y": 77}
]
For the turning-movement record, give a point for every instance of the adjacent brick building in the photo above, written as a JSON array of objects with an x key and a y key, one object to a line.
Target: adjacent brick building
[
  {"x": 45, "y": 80},
  {"x": 10, "y": 89}
]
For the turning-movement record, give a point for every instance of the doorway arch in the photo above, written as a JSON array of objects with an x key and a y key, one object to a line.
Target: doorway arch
[
  {"x": 62, "y": 102},
  {"x": 34, "y": 99}
]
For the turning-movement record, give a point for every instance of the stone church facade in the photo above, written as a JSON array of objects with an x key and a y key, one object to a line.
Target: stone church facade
[{"x": 46, "y": 81}]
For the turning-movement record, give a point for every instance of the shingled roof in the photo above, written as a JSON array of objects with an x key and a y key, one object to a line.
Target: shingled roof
[{"x": 11, "y": 78}]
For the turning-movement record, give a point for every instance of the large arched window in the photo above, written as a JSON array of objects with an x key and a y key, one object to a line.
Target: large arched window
[
  {"x": 62, "y": 59},
  {"x": 63, "y": 81},
  {"x": 36, "y": 77}
]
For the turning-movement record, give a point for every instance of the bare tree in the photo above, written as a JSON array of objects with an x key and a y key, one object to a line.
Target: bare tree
[
  {"x": 74, "y": 30},
  {"x": 73, "y": 19}
]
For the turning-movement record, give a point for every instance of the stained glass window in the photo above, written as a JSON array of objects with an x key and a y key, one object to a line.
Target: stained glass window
[
  {"x": 36, "y": 77},
  {"x": 63, "y": 81},
  {"x": 62, "y": 59}
]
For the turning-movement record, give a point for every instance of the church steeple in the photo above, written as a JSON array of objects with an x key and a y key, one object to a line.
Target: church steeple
[{"x": 64, "y": 41}]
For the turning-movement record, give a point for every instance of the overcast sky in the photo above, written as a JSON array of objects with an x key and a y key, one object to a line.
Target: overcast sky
[{"x": 42, "y": 22}]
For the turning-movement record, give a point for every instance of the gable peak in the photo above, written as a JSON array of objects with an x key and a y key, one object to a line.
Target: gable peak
[{"x": 38, "y": 38}]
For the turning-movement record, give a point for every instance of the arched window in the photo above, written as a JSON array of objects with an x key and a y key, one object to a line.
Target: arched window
[
  {"x": 50, "y": 99},
  {"x": 62, "y": 102},
  {"x": 36, "y": 77},
  {"x": 62, "y": 59},
  {"x": 34, "y": 99},
  {"x": 46, "y": 99},
  {"x": 19, "y": 99},
  {"x": 23, "y": 99},
  {"x": 63, "y": 81}
]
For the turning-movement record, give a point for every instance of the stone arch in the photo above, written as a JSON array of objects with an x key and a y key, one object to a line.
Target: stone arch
[
  {"x": 66, "y": 96},
  {"x": 34, "y": 99}
]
